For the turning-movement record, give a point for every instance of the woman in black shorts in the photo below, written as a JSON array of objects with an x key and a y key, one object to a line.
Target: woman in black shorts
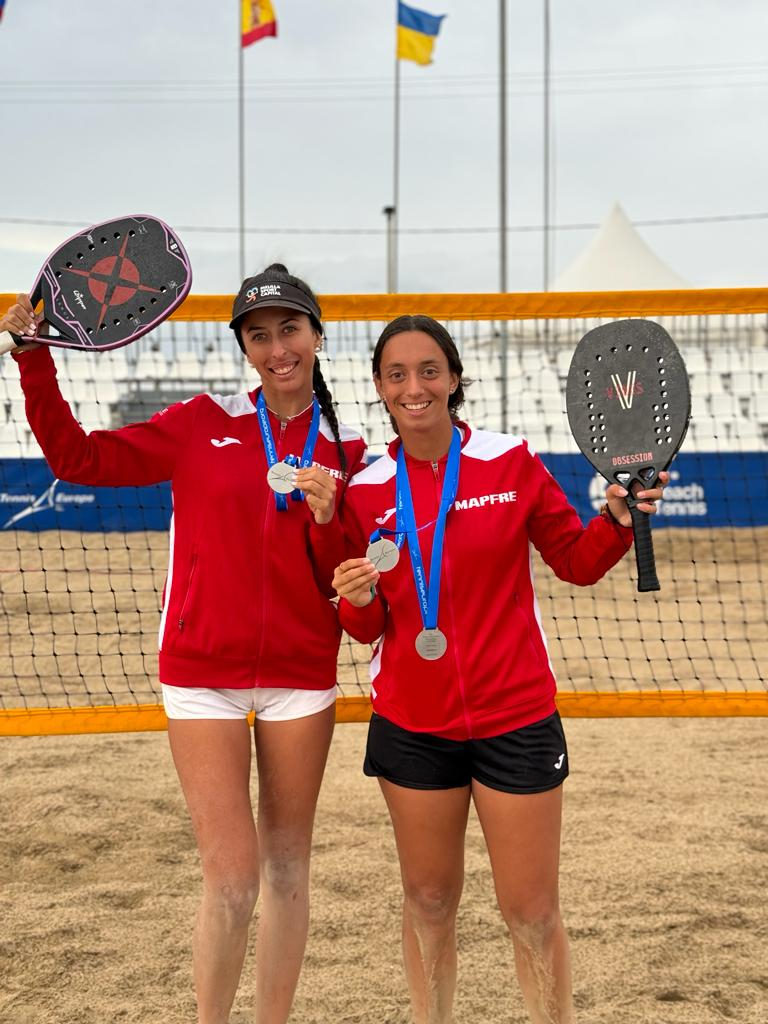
[{"x": 462, "y": 686}]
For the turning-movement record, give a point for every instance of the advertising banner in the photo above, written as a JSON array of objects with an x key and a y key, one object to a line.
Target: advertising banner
[{"x": 706, "y": 490}]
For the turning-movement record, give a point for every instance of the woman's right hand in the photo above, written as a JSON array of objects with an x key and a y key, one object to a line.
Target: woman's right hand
[
  {"x": 355, "y": 580},
  {"x": 20, "y": 319}
]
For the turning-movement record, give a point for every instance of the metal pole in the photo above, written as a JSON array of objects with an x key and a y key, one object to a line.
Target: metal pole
[
  {"x": 241, "y": 144},
  {"x": 503, "y": 332},
  {"x": 546, "y": 187},
  {"x": 502, "y": 145},
  {"x": 388, "y": 212},
  {"x": 392, "y": 283}
]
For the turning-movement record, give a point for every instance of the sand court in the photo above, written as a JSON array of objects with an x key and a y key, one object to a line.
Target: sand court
[{"x": 664, "y": 873}]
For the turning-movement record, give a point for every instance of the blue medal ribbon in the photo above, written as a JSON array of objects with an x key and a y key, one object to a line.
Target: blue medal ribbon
[
  {"x": 427, "y": 591},
  {"x": 379, "y": 535},
  {"x": 307, "y": 456}
]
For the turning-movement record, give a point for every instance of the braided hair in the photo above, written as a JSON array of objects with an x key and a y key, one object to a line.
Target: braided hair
[
  {"x": 325, "y": 400},
  {"x": 277, "y": 273}
]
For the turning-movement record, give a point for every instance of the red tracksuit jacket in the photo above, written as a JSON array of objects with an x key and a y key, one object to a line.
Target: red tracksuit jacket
[
  {"x": 496, "y": 674},
  {"x": 247, "y": 596}
]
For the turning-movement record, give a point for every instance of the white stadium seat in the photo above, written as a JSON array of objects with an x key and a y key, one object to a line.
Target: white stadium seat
[
  {"x": 114, "y": 364},
  {"x": 186, "y": 366},
  {"x": 351, "y": 414},
  {"x": 760, "y": 406},
  {"x": 151, "y": 366},
  {"x": 221, "y": 366},
  {"x": 93, "y": 415},
  {"x": 76, "y": 365},
  {"x": 747, "y": 436},
  {"x": 744, "y": 382},
  {"x": 695, "y": 360},
  {"x": 725, "y": 406}
]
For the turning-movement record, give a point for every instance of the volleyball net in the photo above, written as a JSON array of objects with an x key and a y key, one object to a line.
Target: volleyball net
[{"x": 82, "y": 569}]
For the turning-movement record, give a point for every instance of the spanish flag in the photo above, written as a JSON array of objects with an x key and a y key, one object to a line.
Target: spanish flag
[
  {"x": 258, "y": 21},
  {"x": 416, "y": 33}
]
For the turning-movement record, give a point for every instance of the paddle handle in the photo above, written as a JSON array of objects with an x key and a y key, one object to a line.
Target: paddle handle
[{"x": 644, "y": 557}]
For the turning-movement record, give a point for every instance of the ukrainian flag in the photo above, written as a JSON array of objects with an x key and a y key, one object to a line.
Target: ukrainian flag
[{"x": 416, "y": 33}]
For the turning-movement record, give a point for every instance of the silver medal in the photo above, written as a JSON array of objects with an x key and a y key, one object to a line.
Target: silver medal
[
  {"x": 280, "y": 478},
  {"x": 431, "y": 644},
  {"x": 384, "y": 554}
]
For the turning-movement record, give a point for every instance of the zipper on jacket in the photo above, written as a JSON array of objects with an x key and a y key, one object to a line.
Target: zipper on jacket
[
  {"x": 459, "y": 672},
  {"x": 449, "y": 588},
  {"x": 269, "y": 519},
  {"x": 188, "y": 592}
]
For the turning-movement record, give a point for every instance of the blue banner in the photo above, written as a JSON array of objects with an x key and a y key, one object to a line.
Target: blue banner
[
  {"x": 32, "y": 499},
  {"x": 707, "y": 489}
]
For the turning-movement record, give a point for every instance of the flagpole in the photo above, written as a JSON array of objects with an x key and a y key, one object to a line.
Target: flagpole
[
  {"x": 503, "y": 331},
  {"x": 392, "y": 268},
  {"x": 241, "y": 140},
  {"x": 546, "y": 186},
  {"x": 502, "y": 145}
]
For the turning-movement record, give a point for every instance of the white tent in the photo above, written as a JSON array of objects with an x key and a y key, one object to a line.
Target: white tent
[{"x": 617, "y": 259}]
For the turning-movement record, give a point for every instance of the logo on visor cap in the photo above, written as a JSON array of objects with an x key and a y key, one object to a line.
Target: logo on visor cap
[{"x": 260, "y": 293}]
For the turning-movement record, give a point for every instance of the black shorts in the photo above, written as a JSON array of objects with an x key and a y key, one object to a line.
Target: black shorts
[{"x": 528, "y": 760}]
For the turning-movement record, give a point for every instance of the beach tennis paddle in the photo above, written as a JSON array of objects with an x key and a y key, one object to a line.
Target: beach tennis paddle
[
  {"x": 108, "y": 285},
  {"x": 629, "y": 403}
]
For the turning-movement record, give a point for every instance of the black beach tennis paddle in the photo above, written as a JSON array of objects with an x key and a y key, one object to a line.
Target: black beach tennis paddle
[
  {"x": 108, "y": 285},
  {"x": 629, "y": 403}
]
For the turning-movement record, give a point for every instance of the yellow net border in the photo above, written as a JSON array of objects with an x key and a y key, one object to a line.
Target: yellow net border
[
  {"x": 503, "y": 306},
  {"x": 511, "y": 306},
  {"x": 151, "y": 717}
]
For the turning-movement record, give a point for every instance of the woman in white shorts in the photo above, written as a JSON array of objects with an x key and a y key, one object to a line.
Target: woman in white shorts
[{"x": 247, "y": 621}]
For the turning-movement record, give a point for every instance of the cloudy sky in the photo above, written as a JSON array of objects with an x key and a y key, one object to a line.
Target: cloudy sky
[{"x": 108, "y": 109}]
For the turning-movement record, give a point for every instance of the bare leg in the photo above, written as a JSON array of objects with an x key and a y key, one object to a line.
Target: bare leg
[
  {"x": 291, "y": 759},
  {"x": 213, "y": 758},
  {"x": 522, "y": 833},
  {"x": 429, "y": 830}
]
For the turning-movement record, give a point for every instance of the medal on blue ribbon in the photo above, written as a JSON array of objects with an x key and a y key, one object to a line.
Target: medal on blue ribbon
[
  {"x": 280, "y": 479},
  {"x": 431, "y": 643},
  {"x": 383, "y": 552}
]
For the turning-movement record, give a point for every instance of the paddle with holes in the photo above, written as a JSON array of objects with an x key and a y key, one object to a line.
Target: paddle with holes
[
  {"x": 109, "y": 285},
  {"x": 629, "y": 403}
]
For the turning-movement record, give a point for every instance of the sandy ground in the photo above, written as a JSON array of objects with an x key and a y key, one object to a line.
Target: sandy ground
[{"x": 665, "y": 870}]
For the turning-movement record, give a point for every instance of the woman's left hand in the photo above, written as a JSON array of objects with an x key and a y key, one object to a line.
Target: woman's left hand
[
  {"x": 615, "y": 495},
  {"x": 319, "y": 490}
]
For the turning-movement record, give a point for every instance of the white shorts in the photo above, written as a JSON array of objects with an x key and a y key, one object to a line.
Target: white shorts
[{"x": 271, "y": 704}]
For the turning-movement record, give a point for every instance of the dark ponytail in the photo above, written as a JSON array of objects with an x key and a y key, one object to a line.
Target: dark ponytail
[{"x": 325, "y": 400}]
